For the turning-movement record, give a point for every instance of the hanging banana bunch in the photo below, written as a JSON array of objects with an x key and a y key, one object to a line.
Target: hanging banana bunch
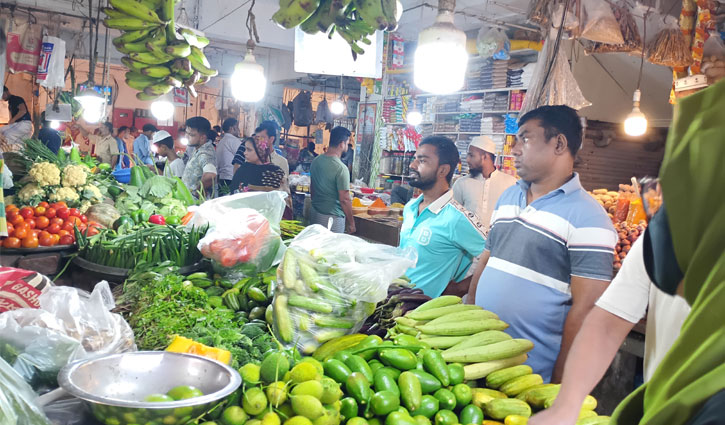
[
  {"x": 159, "y": 54},
  {"x": 353, "y": 20}
]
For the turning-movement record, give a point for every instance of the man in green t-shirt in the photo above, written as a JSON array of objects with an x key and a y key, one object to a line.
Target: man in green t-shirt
[{"x": 331, "y": 186}]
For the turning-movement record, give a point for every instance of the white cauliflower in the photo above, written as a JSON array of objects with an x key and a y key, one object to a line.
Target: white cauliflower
[
  {"x": 64, "y": 194},
  {"x": 74, "y": 175},
  {"x": 92, "y": 193},
  {"x": 30, "y": 191},
  {"x": 45, "y": 174},
  {"x": 84, "y": 206}
]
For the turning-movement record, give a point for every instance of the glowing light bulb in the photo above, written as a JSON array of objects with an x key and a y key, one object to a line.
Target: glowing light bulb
[
  {"x": 54, "y": 124},
  {"x": 337, "y": 107},
  {"x": 441, "y": 57},
  {"x": 414, "y": 118},
  {"x": 94, "y": 105},
  {"x": 184, "y": 141},
  {"x": 162, "y": 109},
  {"x": 248, "y": 80},
  {"x": 636, "y": 122}
]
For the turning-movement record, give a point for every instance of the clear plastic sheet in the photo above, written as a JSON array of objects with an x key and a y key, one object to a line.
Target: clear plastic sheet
[
  {"x": 70, "y": 325},
  {"x": 17, "y": 399},
  {"x": 329, "y": 283},
  {"x": 493, "y": 43},
  {"x": 600, "y": 24}
]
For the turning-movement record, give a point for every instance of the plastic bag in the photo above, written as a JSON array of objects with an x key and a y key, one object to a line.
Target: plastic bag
[
  {"x": 329, "y": 283},
  {"x": 17, "y": 399},
  {"x": 21, "y": 288},
  {"x": 570, "y": 20},
  {"x": 51, "y": 69},
  {"x": 493, "y": 43},
  {"x": 70, "y": 325},
  {"x": 600, "y": 24},
  {"x": 244, "y": 237},
  {"x": 632, "y": 42}
]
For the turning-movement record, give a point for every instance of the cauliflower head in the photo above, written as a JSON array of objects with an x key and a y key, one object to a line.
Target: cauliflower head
[
  {"x": 74, "y": 175},
  {"x": 92, "y": 193},
  {"x": 64, "y": 194},
  {"x": 30, "y": 191},
  {"x": 85, "y": 205},
  {"x": 45, "y": 174}
]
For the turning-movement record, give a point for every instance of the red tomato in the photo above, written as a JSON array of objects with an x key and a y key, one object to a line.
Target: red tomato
[
  {"x": 11, "y": 228},
  {"x": 65, "y": 240},
  {"x": 46, "y": 239},
  {"x": 21, "y": 232},
  {"x": 228, "y": 257},
  {"x": 67, "y": 226},
  {"x": 42, "y": 222},
  {"x": 56, "y": 239},
  {"x": 59, "y": 205},
  {"x": 16, "y": 220},
  {"x": 62, "y": 233},
  {"x": 81, "y": 228},
  {"x": 10, "y": 207},
  {"x": 53, "y": 228},
  {"x": 57, "y": 220},
  {"x": 27, "y": 212},
  {"x": 62, "y": 212},
  {"x": 30, "y": 242},
  {"x": 50, "y": 212},
  {"x": 38, "y": 211},
  {"x": 74, "y": 212},
  {"x": 83, "y": 218},
  {"x": 74, "y": 220},
  {"x": 91, "y": 231},
  {"x": 30, "y": 222},
  {"x": 43, "y": 204},
  {"x": 11, "y": 242},
  {"x": 35, "y": 232}
]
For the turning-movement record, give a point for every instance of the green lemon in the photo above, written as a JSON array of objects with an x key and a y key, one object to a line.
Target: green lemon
[
  {"x": 234, "y": 415},
  {"x": 357, "y": 420},
  {"x": 315, "y": 363},
  {"x": 277, "y": 393},
  {"x": 331, "y": 391},
  {"x": 446, "y": 417},
  {"x": 183, "y": 392},
  {"x": 304, "y": 371},
  {"x": 307, "y": 406},
  {"x": 446, "y": 399},
  {"x": 285, "y": 411},
  {"x": 313, "y": 388},
  {"x": 298, "y": 420},
  {"x": 274, "y": 366},
  {"x": 421, "y": 420},
  {"x": 271, "y": 418},
  {"x": 456, "y": 373},
  {"x": 463, "y": 394},
  {"x": 250, "y": 373},
  {"x": 254, "y": 401}
]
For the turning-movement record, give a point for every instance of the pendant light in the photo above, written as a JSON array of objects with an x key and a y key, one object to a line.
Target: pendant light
[
  {"x": 55, "y": 124},
  {"x": 337, "y": 107},
  {"x": 636, "y": 122},
  {"x": 248, "y": 81},
  {"x": 162, "y": 108},
  {"x": 414, "y": 117},
  {"x": 441, "y": 57},
  {"x": 94, "y": 105}
]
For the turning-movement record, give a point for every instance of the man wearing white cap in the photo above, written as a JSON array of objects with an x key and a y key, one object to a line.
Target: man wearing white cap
[
  {"x": 165, "y": 147},
  {"x": 481, "y": 188}
]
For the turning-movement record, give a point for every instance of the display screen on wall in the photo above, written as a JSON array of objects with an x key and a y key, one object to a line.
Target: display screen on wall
[{"x": 318, "y": 54}]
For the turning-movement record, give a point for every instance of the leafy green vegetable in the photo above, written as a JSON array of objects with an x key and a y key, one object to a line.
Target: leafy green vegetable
[{"x": 157, "y": 187}]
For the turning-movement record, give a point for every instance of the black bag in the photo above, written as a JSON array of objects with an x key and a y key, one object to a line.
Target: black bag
[{"x": 302, "y": 112}]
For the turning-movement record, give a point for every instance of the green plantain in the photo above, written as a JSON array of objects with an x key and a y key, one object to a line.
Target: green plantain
[
  {"x": 129, "y": 24},
  {"x": 178, "y": 50},
  {"x": 158, "y": 89},
  {"x": 310, "y": 25},
  {"x": 143, "y": 96},
  {"x": 200, "y": 63},
  {"x": 156, "y": 71},
  {"x": 133, "y": 36},
  {"x": 132, "y": 64},
  {"x": 150, "y": 58},
  {"x": 136, "y": 9},
  {"x": 295, "y": 13},
  {"x": 371, "y": 11}
]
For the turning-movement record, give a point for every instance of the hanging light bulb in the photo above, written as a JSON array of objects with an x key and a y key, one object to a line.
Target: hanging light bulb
[
  {"x": 248, "y": 80},
  {"x": 441, "y": 57},
  {"x": 162, "y": 108},
  {"x": 94, "y": 105},
  {"x": 636, "y": 122},
  {"x": 337, "y": 107},
  {"x": 54, "y": 124},
  {"x": 414, "y": 118}
]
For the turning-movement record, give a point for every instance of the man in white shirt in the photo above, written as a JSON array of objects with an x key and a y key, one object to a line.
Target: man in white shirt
[
  {"x": 165, "y": 147},
  {"x": 479, "y": 191},
  {"x": 225, "y": 150},
  {"x": 620, "y": 307}
]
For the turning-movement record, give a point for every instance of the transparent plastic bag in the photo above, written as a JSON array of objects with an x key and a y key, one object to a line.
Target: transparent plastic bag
[
  {"x": 70, "y": 325},
  {"x": 17, "y": 399},
  {"x": 247, "y": 226},
  {"x": 600, "y": 24},
  {"x": 329, "y": 283},
  {"x": 493, "y": 43}
]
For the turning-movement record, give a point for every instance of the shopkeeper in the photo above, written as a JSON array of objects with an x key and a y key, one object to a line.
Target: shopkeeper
[
  {"x": 19, "y": 126},
  {"x": 200, "y": 172},
  {"x": 550, "y": 250},
  {"x": 446, "y": 237}
]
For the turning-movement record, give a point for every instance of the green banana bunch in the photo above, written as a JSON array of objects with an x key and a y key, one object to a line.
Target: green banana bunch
[
  {"x": 158, "y": 89},
  {"x": 335, "y": 12},
  {"x": 156, "y": 71},
  {"x": 390, "y": 9},
  {"x": 200, "y": 63},
  {"x": 133, "y": 36},
  {"x": 150, "y": 58},
  {"x": 132, "y": 64},
  {"x": 140, "y": 81},
  {"x": 182, "y": 68},
  {"x": 178, "y": 50},
  {"x": 143, "y": 96},
  {"x": 136, "y": 9},
  {"x": 309, "y": 26},
  {"x": 371, "y": 11},
  {"x": 194, "y": 39},
  {"x": 293, "y": 12},
  {"x": 129, "y": 24}
]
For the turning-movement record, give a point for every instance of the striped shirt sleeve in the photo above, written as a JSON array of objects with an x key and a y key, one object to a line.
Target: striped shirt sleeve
[
  {"x": 239, "y": 155},
  {"x": 591, "y": 252}
]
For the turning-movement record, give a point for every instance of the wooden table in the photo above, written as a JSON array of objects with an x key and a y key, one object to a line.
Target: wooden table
[{"x": 379, "y": 229}]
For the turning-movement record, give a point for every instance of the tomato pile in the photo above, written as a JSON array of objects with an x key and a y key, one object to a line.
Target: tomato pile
[{"x": 45, "y": 225}]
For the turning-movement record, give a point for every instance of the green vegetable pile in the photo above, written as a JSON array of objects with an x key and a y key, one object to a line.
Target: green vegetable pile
[
  {"x": 156, "y": 195},
  {"x": 150, "y": 243},
  {"x": 159, "y": 303}
]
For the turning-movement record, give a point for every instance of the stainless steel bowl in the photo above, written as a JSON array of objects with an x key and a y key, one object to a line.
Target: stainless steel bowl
[{"x": 115, "y": 386}]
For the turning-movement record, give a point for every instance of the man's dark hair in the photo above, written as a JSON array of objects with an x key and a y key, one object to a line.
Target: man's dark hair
[
  {"x": 123, "y": 128},
  {"x": 200, "y": 124},
  {"x": 211, "y": 135},
  {"x": 149, "y": 127},
  {"x": 167, "y": 141},
  {"x": 270, "y": 127},
  {"x": 338, "y": 135},
  {"x": 447, "y": 152},
  {"x": 558, "y": 119},
  {"x": 109, "y": 126},
  {"x": 228, "y": 124},
  {"x": 216, "y": 128}
]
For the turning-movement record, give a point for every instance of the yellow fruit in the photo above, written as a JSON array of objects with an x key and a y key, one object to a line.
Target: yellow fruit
[
  {"x": 271, "y": 418},
  {"x": 277, "y": 393},
  {"x": 298, "y": 420},
  {"x": 250, "y": 373},
  {"x": 304, "y": 372},
  {"x": 313, "y": 388}
]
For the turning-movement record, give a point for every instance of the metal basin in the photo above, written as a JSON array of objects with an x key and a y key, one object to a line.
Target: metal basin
[{"x": 115, "y": 386}]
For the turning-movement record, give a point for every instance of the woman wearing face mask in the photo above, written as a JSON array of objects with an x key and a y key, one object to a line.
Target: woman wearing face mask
[
  {"x": 257, "y": 172},
  {"x": 684, "y": 253}
]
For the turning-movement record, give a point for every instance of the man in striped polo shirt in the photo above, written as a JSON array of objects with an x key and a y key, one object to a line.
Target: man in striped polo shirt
[{"x": 550, "y": 249}]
